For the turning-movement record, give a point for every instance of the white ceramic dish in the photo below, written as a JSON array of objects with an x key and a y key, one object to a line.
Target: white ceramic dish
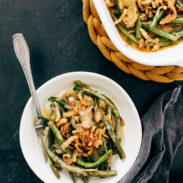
[
  {"x": 169, "y": 56},
  {"x": 32, "y": 150}
]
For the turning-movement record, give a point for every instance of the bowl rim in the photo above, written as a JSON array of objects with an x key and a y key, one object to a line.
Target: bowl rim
[
  {"x": 146, "y": 58},
  {"x": 67, "y": 75}
]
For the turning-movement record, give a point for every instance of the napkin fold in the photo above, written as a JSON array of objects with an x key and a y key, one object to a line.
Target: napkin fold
[{"x": 162, "y": 134}]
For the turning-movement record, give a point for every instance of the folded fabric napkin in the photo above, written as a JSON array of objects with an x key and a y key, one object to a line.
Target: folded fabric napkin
[{"x": 162, "y": 134}]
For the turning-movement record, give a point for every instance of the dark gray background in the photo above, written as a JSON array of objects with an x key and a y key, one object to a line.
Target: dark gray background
[{"x": 59, "y": 42}]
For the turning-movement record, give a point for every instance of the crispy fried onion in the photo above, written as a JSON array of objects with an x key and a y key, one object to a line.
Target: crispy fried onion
[
  {"x": 97, "y": 115},
  {"x": 158, "y": 3},
  {"x": 161, "y": 7},
  {"x": 139, "y": 2},
  {"x": 120, "y": 4},
  {"x": 123, "y": 15},
  {"x": 141, "y": 43},
  {"x": 143, "y": 17},
  {"x": 149, "y": 5},
  {"x": 156, "y": 47},
  {"x": 147, "y": 45},
  {"x": 69, "y": 160},
  {"x": 153, "y": 4},
  {"x": 69, "y": 93},
  {"x": 147, "y": 37},
  {"x": 88, "y": 139},
  {"x": 146, "y": 2},
  {"x": 61, "y": 122},
  {"x": 148, "y": 40},
  {"x": 65, "y": 130},
  {"x": 171, "y": 16},
  {"x": 69, "y": 141},
  {"x": 57, "y": 112},
  {"x": 179, "y": 8},
  {"x": 86, "y": 117},
  {"x": 109, "y": 3},
  {"x": 132, "y": 15}
]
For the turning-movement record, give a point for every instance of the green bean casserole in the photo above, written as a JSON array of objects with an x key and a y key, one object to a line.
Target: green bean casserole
[
  {"x": 84, "y": 131},
  {"x": 148, "y": 25}
]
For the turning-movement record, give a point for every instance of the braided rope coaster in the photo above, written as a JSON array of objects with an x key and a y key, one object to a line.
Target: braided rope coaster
[{"x": 163, "y": 74}]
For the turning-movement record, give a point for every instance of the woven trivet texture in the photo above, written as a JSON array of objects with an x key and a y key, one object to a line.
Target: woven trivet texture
[{"x": 163, "y": 74}]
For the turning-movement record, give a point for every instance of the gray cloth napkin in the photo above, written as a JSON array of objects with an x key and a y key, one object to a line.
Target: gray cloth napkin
[{"x": 162, "y": 134}]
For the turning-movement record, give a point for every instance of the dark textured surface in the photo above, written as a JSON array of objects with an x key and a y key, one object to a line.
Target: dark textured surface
[
  {"x": 59, "y": 43},
  {"x": 162, "y": 136}
]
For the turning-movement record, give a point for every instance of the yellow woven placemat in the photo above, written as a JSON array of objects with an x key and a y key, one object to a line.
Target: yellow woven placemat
[{"x": 163, "y": 74}]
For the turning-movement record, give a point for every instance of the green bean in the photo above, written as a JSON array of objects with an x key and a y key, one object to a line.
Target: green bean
[
  {"x": 96, "y": 102},
  {"x": 105, "y": 147},
  {"x": 113, "y": 122},
  {"x": 110, "y": 144},
  {"x": 157, "y": 18},
  {"x": 47, "y": 159},
  {"x": 84, "y": 179},
  {"x": 54, "y": 169},
  {"x": 160, "y": 32},
  {"x": 101, "y": 150},
  {"x": 162, "y": 43},
  {"x": 58, "y": 137},
  {"x": 78, "y": 83},
  {"x": 180, "y": 33},
  {"x": 73, "y": 169},
  {"x": 115, "y": 151},
  {"x": 109, "y": 112},
  {"x": 163, "y": 34},
  {"x": 111, "y": 105},
  {"x": 58, "y": 100},
  {"x": 165, "y": 43},
  {"x": 138, "y": 27},
  {"x": 114, "y": 138},
  {"x": 72, "y": 177},
  {"x": 180, "y": 2},
  {"x": 124, "y": 31},
  {"x": 178, "y": 20},
  {"x": 44, "y": 149},
  {"x": 56, "y": 132},
  {"x": 107, "y": 173},
  {"x": 138, "y": 24},
  {"x": 104, "y": 144},
  {"x": 80, "y": 162},
  {"x": 77, "y": 88},
  {"x": 52, "y": 106},
  {"x": 96, "y": 163}
]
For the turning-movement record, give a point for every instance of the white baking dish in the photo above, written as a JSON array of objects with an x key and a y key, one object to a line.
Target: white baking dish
[{"x": 169, "y": 56}]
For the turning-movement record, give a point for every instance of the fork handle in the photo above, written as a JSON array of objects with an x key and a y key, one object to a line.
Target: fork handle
[{"x": 22, "y": 52}]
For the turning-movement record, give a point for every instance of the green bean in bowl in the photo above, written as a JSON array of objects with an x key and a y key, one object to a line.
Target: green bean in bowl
[
  {"x": 83, "y": 133},
  {"x": 148, "y": 25}
]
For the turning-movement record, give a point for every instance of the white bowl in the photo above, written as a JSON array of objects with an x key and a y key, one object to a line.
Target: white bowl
[
  {"x": 32, "y": 150},
  {"x": 169, "y": 56}
]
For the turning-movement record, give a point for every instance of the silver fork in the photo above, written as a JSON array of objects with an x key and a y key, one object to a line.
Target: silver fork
[{"x": 22, "y": 52}]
